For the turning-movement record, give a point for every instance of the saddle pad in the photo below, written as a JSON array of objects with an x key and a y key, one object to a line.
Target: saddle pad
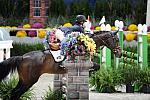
[{"x": 57, "y": 56}]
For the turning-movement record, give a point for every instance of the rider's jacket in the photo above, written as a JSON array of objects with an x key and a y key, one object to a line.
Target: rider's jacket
[
  {"x": 68, "y": 30},
  {"x": 65, "y": 30}
]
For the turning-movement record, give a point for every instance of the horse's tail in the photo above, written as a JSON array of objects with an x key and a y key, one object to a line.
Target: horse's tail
[{"x": 9, "y": 65}]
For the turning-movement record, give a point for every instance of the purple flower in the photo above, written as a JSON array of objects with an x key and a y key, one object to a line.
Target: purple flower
[
  {"x": 148, "y": 29},
  {"x": 37, "y": 25},
  {"x": 32, "y": 33}
]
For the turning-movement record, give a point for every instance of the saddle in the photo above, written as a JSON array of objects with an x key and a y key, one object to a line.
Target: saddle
[
  {"x": 54, "y": 46},
  {"x": 57, "y": 56}
]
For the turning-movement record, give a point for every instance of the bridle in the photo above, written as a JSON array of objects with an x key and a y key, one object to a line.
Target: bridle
[{"x": 105, "y": 42}]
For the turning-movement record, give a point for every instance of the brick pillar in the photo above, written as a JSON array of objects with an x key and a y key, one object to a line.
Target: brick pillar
[
  {"x": 31, "y": 9},
  {"x": 77, "y": 79}
]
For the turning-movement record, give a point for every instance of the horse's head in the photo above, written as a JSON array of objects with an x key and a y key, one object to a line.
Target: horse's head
[
  {"x": 108, "y": 39},
  {"x": 51, "y": 66},
  {"x": 113, "y": 44}
]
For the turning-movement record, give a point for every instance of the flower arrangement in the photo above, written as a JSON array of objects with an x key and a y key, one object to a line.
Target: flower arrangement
[
  {"x": 130, "y": 36},
  {"x": 148, "y": 29},
  {"x": 132, "y": 27},
  {"x": 67, "y": 24},
  {"x": 113, "y": 28},
  {"x": 97, "y": 28},
  {"x": 148, "y": 37},
  {"x": 27, "y": 26},
  {"x": 21, "y": 34},
  {"x": 32, "y": 33},
  {"x": 41, "y": 33},
  {"x": 37, "y": 25},
  {"x": 76, "y": 44}
]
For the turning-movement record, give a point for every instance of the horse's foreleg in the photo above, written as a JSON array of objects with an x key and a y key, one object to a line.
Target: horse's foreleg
[
  {"x": 19, "y": 90},
  {"x": 14, "y": 95}
]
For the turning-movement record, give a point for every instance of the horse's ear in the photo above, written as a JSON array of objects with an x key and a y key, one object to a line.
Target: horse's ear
[{"x": 115, "y": 32}]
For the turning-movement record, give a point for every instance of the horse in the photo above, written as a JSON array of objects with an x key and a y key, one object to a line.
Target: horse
[
  {"x": 108, "y": 39},
  {"x": 32, "y": 65}
]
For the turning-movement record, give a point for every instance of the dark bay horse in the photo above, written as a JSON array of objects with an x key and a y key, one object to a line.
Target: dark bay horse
[
  {"x": 32, "y": 65},
  {"x": 108, "y": 39}
]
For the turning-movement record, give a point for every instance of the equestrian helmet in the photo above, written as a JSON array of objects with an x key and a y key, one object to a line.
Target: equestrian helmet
[{"x": 80, "y": 18}]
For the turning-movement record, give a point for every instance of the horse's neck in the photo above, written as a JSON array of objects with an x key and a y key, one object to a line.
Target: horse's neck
[{"x": 98, "y": 40}]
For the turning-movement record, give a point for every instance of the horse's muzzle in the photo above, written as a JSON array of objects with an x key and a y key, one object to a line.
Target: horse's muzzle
[{"x": 118, "y": 52}]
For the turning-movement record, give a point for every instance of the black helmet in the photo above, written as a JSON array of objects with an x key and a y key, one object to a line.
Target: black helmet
[{"x": 80, "y": 18}]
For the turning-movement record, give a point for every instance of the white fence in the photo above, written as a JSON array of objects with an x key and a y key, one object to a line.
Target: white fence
[
  {"x": 5, "y": 44},
  {"x": 5, "y": 49}
]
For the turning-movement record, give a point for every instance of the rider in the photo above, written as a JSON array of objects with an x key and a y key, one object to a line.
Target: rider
[{"x": 62, "y": 32}]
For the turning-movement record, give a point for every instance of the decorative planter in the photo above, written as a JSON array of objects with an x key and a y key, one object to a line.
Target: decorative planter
[
  {"x": 129, "y": 88},
  {"x": 145, "y": 89},
  {"x": 77, "y": 79}
]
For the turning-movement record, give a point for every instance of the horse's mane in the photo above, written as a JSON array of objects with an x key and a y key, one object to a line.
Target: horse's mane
[{"x": 101, "y": 32}]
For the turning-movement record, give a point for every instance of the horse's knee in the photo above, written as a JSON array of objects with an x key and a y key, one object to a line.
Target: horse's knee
[{"x": 95, "y": 66}]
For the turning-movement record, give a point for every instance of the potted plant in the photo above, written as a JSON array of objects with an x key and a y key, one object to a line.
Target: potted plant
[
  {"x": 105, "y": 80},
  {"x": 144, "y": 80},
  {"x": 130, "y": 74}
]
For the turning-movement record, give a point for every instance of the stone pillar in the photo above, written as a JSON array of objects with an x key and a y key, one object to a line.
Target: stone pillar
[
  {"x": 77, "y": 79},
  {"x": 58, "y": 81}
]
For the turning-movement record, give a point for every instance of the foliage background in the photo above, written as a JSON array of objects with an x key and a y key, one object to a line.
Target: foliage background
[{"x": 130, "y": 11}]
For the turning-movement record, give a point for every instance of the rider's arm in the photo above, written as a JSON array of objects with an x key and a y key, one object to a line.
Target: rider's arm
[{"x": 77, "y": 28}]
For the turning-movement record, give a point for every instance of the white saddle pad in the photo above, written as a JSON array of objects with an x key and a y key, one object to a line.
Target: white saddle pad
[{"x": 57, "y": 56}]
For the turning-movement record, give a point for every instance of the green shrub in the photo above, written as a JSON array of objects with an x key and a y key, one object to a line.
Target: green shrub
[
  {"x": 105, "y": 79},
  {"x": 144, "y": 76},
  {"x": 22, "y": 48},
  {"x": 130, "y": 73},
  {"x": 7, "y": 86},
  {"x": 53, "y": 95}
]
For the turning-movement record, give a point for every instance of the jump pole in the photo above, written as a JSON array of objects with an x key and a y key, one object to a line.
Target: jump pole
[
  {"x": 106, "y": 53},
  {"x": 142, "y": 46},
  {"x": 119, "y": 26}
]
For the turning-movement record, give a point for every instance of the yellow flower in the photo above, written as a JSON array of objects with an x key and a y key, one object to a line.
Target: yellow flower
[
  {"x": 7, "y": 27},
  {"x": 13, "y": 27},
  {"x": 27, "y": 26},
  {"x": 21, "y": 34},
  {"x": 148, "y": 37},
  {"x": 113, "y": 28},
  {"x": 132, "y": 27},
  {"x": 48, "y": 28},
  {"x": 130, "y": 36},
  {"x": 97, "y": 28},
  {"x": 41, "y": 33},
  {"x": 88, "y": 42},
  {"x": 67, "y": 24}
]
